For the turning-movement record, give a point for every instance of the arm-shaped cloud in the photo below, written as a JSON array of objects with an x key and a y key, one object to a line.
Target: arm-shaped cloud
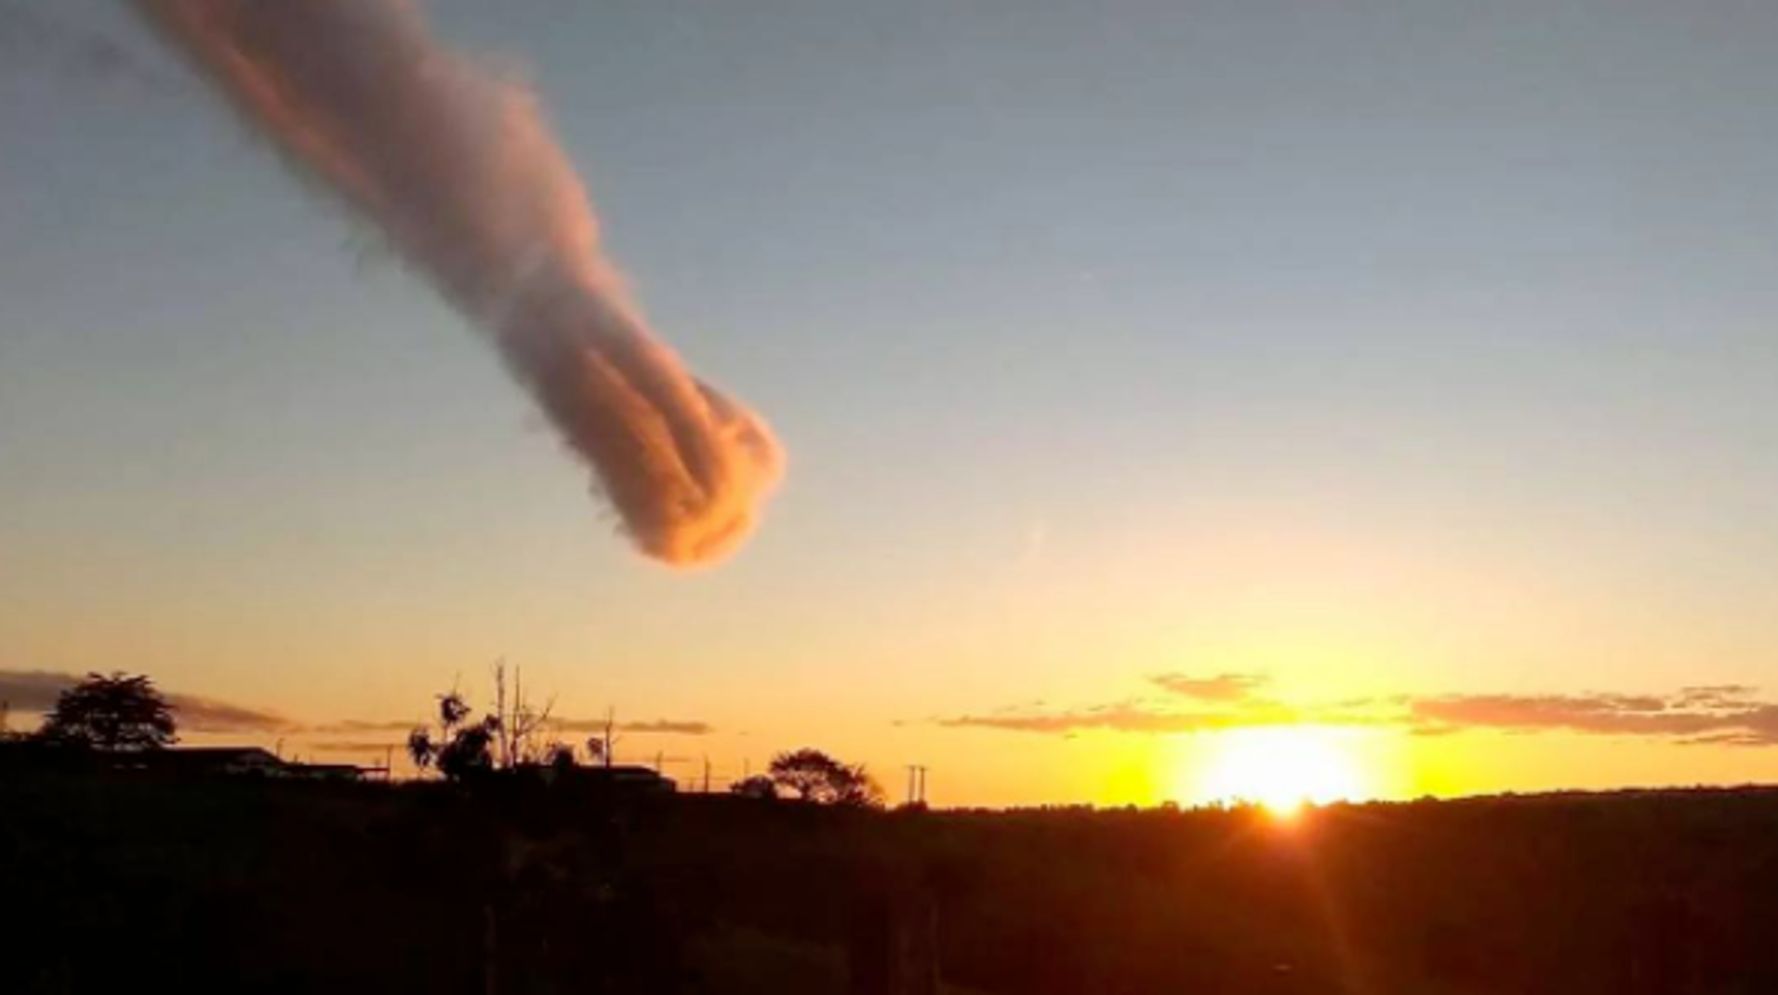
[{"x": 460, "y": 170}]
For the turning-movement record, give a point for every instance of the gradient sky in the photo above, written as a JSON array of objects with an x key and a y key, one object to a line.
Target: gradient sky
[{"x": 1379, "y": 349}]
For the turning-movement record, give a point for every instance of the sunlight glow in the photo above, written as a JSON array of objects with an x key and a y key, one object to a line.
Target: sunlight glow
[{"x": 1283, "y": 768}]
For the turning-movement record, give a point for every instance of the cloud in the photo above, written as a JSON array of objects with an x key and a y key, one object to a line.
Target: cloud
[
  {"x": 458, "y": 167},
  {"x": 196, "y": 714},
  {"x": 37, "y": 690},
  {"x": 1133, "y": 717},
  {"x": 1222, "y": 687},
  {"x": 33, "y": 690},
  {"x": 1718, "y": 714},
  {"x": 675, "y": 727},
  {"x": 555, "y": 724},
  {"x": 353, "y": 746},
  {"x": 366, "y": 725},
  {"x": 1716, "y": 695}
]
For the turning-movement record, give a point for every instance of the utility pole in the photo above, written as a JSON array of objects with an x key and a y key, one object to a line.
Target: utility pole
[
  {"x": 706, "y": 773},
  {"x": 610, "y": 740},
  {"x": 916, "y": 784}
]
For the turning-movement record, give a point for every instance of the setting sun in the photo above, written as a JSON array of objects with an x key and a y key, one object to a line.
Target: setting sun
[{"x": 1284, "y": 768}]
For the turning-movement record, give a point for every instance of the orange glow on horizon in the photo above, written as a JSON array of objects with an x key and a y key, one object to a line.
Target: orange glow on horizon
[{"x": 1284, "y": 768}]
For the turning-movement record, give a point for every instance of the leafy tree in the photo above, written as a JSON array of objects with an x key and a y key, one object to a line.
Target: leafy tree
[
  {"x": 813, "y": 776},
  {"x": 452, "y": 709},
  {"x": 423, "y": 746},
  {"x": 470, "y": 751},
  {"x": 119, "y": 712},
  {"x": 420, "y": 747}
]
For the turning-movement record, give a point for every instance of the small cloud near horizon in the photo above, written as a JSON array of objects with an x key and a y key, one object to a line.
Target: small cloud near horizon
[
  {"x": 209, "y": 715},
  {"x": 366, "y": 725},
  {"x": 674, "y": 727},
  {"x": 1222, "y": 687},
  {"x": 353, "y": 746}
]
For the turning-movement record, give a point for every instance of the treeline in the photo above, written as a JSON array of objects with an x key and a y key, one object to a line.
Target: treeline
[
  {"x": 515, "y": 887},
  {"x": 1622, "y": 894}
]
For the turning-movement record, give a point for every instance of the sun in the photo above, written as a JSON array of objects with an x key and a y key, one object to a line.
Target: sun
[{"x": 1284, "y": 768}]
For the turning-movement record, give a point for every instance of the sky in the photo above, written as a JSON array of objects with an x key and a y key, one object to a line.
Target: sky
[{"x": 1407, "y": 366}]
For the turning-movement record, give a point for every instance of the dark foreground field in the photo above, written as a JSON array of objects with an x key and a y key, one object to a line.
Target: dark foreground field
[{"x": 117, "y": 883}]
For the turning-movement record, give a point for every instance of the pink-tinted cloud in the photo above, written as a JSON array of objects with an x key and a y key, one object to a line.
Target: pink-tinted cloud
[
  {"x": 1720, "y": 714},
  {"x": 1684, "y": 714},
  {"x": 1222, "y": 687}
]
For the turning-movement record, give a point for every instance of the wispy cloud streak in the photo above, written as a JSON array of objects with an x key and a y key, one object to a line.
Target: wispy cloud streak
[
  {"x": 673, "y": 727},
  {"x": 1723, "y": 714}
]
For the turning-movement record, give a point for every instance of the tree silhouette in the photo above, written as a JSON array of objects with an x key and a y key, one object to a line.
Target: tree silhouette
[
  {"x": 758, "y": 786},
  {"x": 470, "y": 751},
  {"x": 506, "y": 738},
  {"x": 560, "y": 756},
  {"x": 120, "y": 712},
  {"x": 422, "y": 745},
  {"x": 813, "y": 776}
]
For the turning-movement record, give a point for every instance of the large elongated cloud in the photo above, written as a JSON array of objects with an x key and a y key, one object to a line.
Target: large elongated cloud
[{"x": 460, "y": 170}]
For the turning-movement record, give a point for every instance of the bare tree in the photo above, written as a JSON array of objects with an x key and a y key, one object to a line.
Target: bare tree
[
  {"x": 601, "y": 747},
  {"x": 529, "y": 724},
  {"x": 504, "y": 738}
]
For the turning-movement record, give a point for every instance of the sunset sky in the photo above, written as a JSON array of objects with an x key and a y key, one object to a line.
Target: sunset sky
[{"x": 1152, "y": 375}]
